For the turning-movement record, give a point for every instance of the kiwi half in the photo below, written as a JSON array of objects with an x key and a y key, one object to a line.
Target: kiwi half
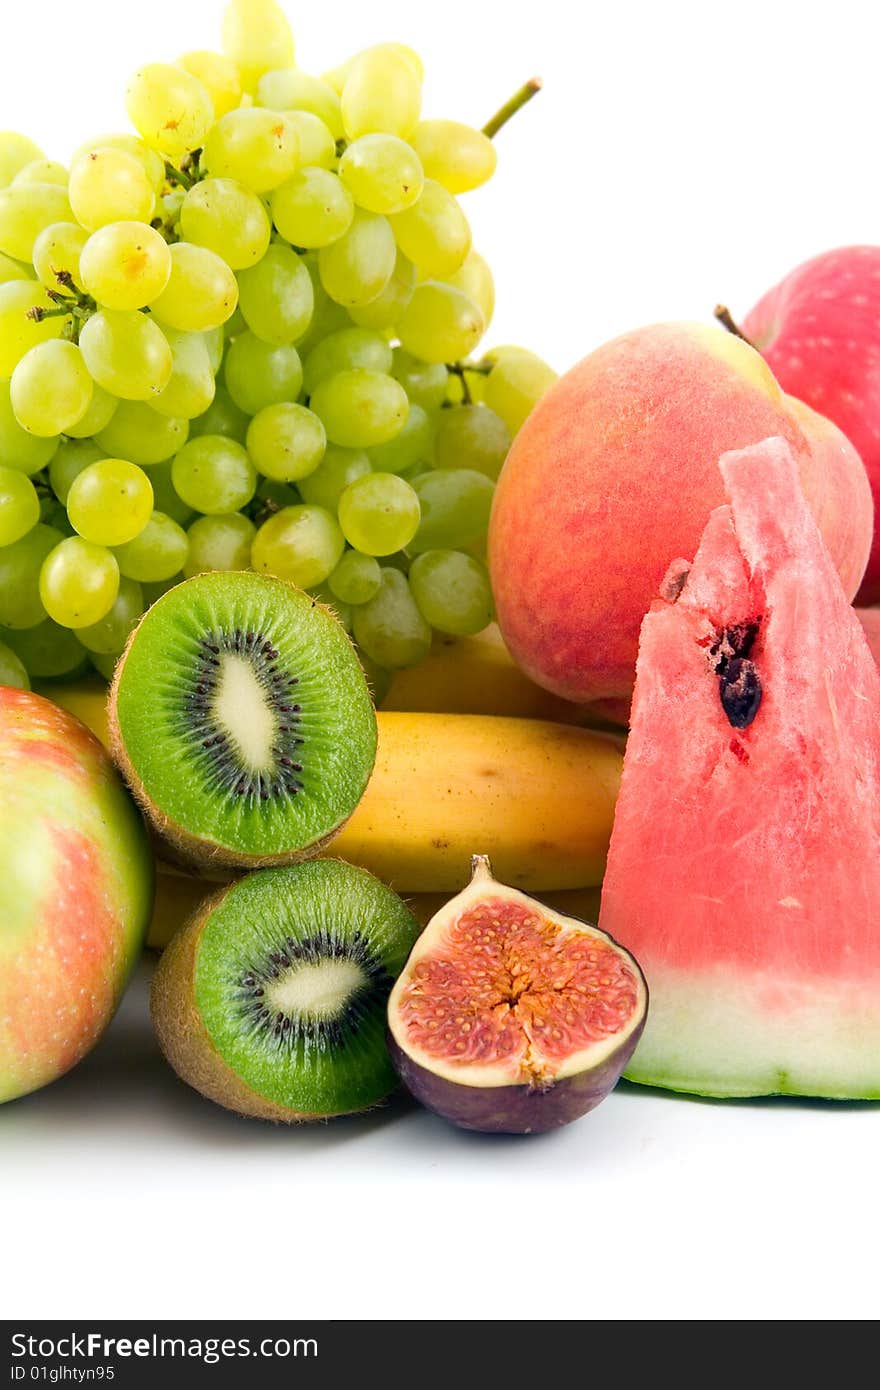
[
  {"x": 240, "y": 716},
  {"x": 272, "y": 999}
]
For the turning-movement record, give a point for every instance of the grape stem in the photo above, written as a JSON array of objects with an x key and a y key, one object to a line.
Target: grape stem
[
  {"x": 178, "y": 176},
  {"x": 726, "y": 319},
  {"x": 516, "y": 103}
]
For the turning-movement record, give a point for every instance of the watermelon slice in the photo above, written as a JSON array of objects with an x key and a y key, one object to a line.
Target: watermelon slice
[{"x": 744, "y": 867}]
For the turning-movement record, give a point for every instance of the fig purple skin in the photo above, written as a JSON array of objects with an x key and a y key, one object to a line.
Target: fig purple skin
[
  {"x": 514, "y": 1109},
  {"x": 509, "y": 1018}
]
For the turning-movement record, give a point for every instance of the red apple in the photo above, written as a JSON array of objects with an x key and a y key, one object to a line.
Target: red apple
[
  {"x": 819, "y": 329},
  {"x": 76, "y": 887}
]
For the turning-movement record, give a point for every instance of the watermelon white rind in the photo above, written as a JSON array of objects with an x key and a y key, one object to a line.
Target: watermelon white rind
[{"x": 744, "y": 867}]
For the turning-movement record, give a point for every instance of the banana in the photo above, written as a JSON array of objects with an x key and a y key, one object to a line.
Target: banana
[
  {"x": 537, "y": 797},
  {"x": 177, "y": 897},
  {"x": 477, "y": 675}
]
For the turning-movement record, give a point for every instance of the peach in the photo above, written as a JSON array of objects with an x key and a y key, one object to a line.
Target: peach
[{"x": 614, "y": 475}]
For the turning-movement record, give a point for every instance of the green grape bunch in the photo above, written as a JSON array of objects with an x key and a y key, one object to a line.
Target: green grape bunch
[{"x": 244, "y": 335}]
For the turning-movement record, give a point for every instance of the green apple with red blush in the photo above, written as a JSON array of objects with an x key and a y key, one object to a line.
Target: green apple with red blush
[{"x": 76, "y": 891}]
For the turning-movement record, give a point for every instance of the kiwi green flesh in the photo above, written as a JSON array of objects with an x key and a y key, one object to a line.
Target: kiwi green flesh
[
  {"x": 243, "y": 717},
  {"x": 292, "y": 973}
]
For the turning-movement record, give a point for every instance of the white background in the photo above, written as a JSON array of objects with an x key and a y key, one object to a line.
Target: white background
[{"x": 680, "y": 153}]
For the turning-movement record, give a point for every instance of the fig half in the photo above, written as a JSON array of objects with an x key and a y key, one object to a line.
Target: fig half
[{"x": 510, "y": 1018}]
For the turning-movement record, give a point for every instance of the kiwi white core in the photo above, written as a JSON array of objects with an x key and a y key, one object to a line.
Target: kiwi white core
[
  {"x": 242, "y": 712},
  {"x": 316, "y": 989}
]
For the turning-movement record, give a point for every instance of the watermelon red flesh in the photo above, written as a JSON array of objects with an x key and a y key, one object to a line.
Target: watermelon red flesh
[{"x": 744, "y": 867}]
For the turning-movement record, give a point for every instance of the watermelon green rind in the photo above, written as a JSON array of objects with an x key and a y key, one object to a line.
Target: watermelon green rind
[{"x": 744, "y": 867}]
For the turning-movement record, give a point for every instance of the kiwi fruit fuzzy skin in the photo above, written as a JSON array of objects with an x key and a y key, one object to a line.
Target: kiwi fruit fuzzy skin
[
  {"x": 183, "y": 1037},
  {"x": 174, "y": 842}
]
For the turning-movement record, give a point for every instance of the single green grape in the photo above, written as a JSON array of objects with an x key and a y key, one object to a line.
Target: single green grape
[
  {"x": 42, "y": 171},
  {"x": 384, "y": 311},
  {"x": 317, "y": 147},
  {"x": 109, "y": 185},
  {"x": 218, "y": 75},
  {"x": 51, "y": 388},
  {"x": 27, "y": 453},
  {"x": 170, "y": 108},
  {"x": 382, "y": 92},
  {"x": 12, "y": 670},
  {"x": 338, "y": 77},
  {"x": 19, "y": 505},
  {"x": 343, "y": 350},
  {"x": 26, "y": 210},
  {"x": 110, "y": 502},
  {"x": 257, "y": 37},
  {"x": 277, "y": 299},
  {"x": 79, "y": 582},
  {"x": 286, "y": 442},
  {"x": 313, "y": 208},
  {"x": 110, "y": 635},
  {"x": 424, "y": 382},
  {"x": 19, "y": 332},
  {"x": 227, "y": 219},
  {"x": 257, "y": 148},
  {"x": 165, "y": 498},
  {"x": 149, "y": 159},
  {"x": 337, "y": 469},
  {"x": 214, "y": 475},
  {"x": 515, "y": 385},
  {"x": 20, "y": 565},
  {"x": 220, "y": 543},
  {"x": 140, "y": 434},
  {"x": 101, "y": 411},
  {"x": 474, "y": 278},
  {"x": 288, "y": 89},
  {"x": 258, "y": 374},
  {"x": 455, "y": 506},
  {"x": 434, "y": 232},
  {"x": 303, "y": 544},
  {"x": 223, "y": 416},
  {"x": 379, "y": 513},
  {"x": 412, "y": 446},
  {"x": 56, "y": 255},
  {"x": 360, "y": 408},
  {"x": 389, "y": 628},
  {"x": 16, "y": 151},
  {"x": 357, "y": 578},
  {"x": 382, "y": 173},
  {"x": 452, "y": 591},
  {"x": 48, "y": 650},
  {"x": 440, "y": 323},
  {"x": 68, "y": 461},
  {"x": 125, "y": 265},
  {"x": 157, "y": 554},
  {"x": 357, "y": 266},
  {"x": 11, "y": 270},
  {"x": 471, "y": 436},
  {"x": 127, "y": 354},
  {"x": 454, "y": 155},
  {"x": 190, "y": 389},
  {"x": 201, "y": 293}
]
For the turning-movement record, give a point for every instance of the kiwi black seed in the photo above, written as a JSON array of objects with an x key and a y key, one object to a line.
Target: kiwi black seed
[
  {"x": 241, "y": 718},
  {"x": 272, "y": 999}
]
